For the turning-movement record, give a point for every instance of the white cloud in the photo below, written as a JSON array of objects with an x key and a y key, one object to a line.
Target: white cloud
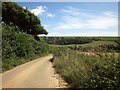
[
  {"x": 42, "y": 10},
  {"x": 109, "y": 13},
  {"x": 54, "y": 34},
  {"x": 104, "y": 33},
  {"x": 24, "y": 7},
  {"x": 74, "y": 12},
  {"x": 75, "y": 19},
  {"x": 68, "y": 25},
  {"x": 38, "y": 10},
  {"x": 103, "y": 22},
  {"x": 50, "y": 15}
]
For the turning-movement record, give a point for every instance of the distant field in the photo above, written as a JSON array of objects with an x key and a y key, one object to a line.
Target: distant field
[
  {"x": 107, "y": 38},
  {"x": 94, "y": 43},
  {"x": 79, "y": 40},
  {"x": 97, "y": 43},
  {"x": 100, "y": 38}
]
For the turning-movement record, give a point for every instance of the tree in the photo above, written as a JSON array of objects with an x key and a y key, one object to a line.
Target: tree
[{"x": 23, "y": 18}]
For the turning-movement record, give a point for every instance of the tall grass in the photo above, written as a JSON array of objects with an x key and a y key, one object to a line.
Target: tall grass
[{"x": 88, "y": 71}]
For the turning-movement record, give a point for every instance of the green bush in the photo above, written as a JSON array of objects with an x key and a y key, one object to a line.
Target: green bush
[
  {"x": 15, "y": 43},
  {"x": 19, "y": 47}
]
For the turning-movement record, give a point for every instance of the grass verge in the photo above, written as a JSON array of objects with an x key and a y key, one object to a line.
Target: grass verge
[{"x": 88, "y": 71}]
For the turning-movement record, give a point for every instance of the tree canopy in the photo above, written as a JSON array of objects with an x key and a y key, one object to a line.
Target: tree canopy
[{"x": 23, "y": 18}]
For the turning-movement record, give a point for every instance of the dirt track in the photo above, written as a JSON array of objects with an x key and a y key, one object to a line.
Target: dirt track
[{"x": 35, "y": 74}]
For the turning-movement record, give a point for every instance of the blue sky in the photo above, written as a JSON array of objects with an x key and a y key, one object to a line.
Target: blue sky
[
  {"x": 76, "y": 18},
  {"x": 65, "y": 0}
]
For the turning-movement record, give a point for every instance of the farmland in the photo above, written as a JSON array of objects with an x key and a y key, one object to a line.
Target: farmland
[
  {"x": 83, "y": 68},
  {"x": 85, "y": 44}
]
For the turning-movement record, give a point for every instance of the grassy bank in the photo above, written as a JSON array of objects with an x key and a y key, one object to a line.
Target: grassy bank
[{"x": 88, "y": 71}]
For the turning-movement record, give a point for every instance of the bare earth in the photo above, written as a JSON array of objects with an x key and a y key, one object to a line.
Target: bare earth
[{"x": 35, "y": 74}]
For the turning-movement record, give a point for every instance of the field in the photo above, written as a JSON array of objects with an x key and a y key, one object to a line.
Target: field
[
  {"x": 94, "y": 43},
  {"x": 86, "y": 68}
]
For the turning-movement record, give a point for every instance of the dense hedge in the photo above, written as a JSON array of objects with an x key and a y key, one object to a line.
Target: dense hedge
[{"x": 17, "y": 45}]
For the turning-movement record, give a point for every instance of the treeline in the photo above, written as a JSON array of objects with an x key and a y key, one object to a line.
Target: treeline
[
  {"x": 68, "y": 40},
  {"x": 20, "y": 28},
  {"x": 78, "y": 40}
]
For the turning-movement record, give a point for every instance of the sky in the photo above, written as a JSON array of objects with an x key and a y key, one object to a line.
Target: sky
[
  {"x": 64, "y": 0},
  {"x": 76, "y": 18}
]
